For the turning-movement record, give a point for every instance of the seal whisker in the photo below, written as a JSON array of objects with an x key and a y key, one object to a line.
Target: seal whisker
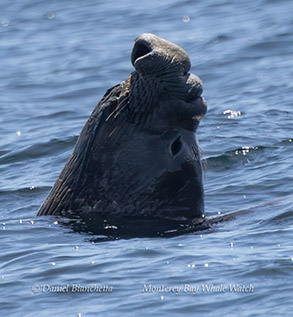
[{"x": 123, "y": 103}]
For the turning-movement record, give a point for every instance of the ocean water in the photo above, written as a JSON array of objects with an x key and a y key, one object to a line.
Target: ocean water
[{"x": 57, "y": 59}]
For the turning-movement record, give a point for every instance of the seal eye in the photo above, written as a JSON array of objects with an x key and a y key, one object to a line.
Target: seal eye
[{"x": 176, "y": 146}]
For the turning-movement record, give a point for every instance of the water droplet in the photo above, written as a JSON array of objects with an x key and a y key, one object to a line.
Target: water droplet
[
  {"x": 53, "y": 263},
  {"x": 93, "y": 262},
  {"x": 218, "y": 127},
  {"x": 244, "y": 196},
  {"x": 231, "y": 245},
  {"x": 251, "y": 247},
  {"x": 5, "y": 22},
  {"x": 76, "y": 247},
  {"x": 79, "y": 315},
  {"x": 20, "y": 220},
  {"x": 167, "y": 262},
  {"x": 219, "y": 212},
  {"x": 162, "y": 297},
  {"x": 3, "y": 223},
  {"x": 55, "y": 222},
  {"x": 186, "y": 19},
  {"x": 18, "y": 133},
  {"x": 279, "y": 245},
  {"x": 193, "y": 265},
  {"x": 50, "y": 15},
  {"x": 180, "y": 245},
  {"x": 206, "y": 265},
  {"x": 32, "y": 187},
  {"x": 32, "y": 222}
]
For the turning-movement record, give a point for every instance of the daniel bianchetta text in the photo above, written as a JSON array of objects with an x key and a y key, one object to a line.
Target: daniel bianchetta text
[
  {"x": 71, "y": 288},
  {"x": 195, "y": 289}
]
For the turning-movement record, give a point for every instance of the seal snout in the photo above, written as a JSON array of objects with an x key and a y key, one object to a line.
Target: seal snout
[{"x": 152, "y": 55}]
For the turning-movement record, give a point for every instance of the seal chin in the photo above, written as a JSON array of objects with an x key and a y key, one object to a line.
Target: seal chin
[
  {"x": 193, "y": 86},
  {"x": 199, "y": 108}
]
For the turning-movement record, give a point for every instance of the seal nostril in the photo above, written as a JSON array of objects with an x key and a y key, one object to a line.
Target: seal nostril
[
  {"x": 140, "y": 50},
  {"x": 176, "y": 146}
]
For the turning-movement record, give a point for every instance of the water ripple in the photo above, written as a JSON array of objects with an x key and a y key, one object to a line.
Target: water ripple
[{"x": 52, "y": 147}]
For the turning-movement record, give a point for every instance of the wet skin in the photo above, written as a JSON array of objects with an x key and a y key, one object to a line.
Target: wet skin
[{"x": 136, "y": 163}]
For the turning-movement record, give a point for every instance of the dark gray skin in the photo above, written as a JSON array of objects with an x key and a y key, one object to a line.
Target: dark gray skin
[{"x": 136, "y": 160}]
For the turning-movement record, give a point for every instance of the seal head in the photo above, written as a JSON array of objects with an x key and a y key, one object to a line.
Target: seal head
[{"x": 136, "y": 164}]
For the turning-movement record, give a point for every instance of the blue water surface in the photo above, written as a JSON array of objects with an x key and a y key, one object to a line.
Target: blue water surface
[{"x": 57, "y": 59}]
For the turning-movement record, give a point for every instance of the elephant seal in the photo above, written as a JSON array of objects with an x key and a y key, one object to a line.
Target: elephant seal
[{"x": 136, "y": 165}]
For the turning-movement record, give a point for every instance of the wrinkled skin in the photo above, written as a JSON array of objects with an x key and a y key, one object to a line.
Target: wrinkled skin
[{"x": 137, "y": 160}]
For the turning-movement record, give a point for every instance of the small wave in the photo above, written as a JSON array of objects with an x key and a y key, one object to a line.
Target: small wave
[
  {"x": 50, "y": 148},
  {"x": 60, "y": 114},
  {"x": 267, "y": 48},
  {"x": 229, "y": 157},
  {"x": 277, "y": 112},
  {"x": 286, "y": 217},
  {"x": 25, "y": 190},
  {"x": 244, "y": 152},
  {"x": 3, "y": 153},
  {"x": 81, "y": 93}
]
